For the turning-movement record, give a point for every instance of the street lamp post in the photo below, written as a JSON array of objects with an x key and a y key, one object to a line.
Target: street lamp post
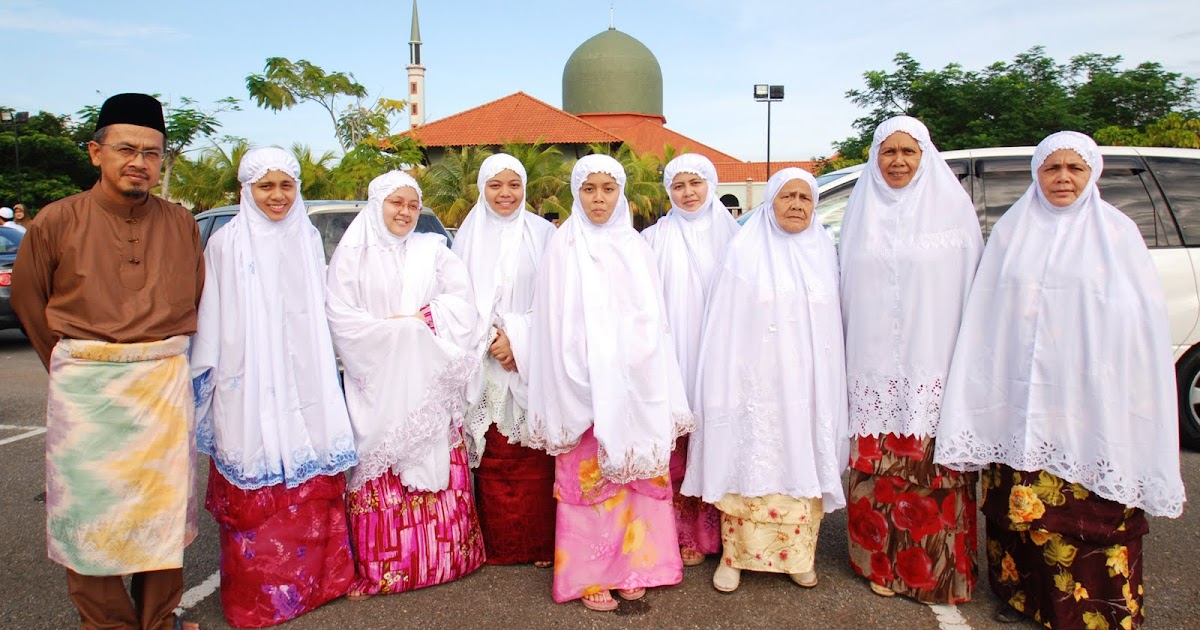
[
  {"x": 768, "y": 94},
  {"x": 16, "y": 119}
]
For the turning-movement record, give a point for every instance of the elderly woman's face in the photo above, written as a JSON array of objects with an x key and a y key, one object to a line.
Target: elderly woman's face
[
  {"x": 274, "y": 194},
  {"x": 689, "y": 191},
  {"x": 504, "y": 192},
  {"x": 401, "y": 209},
  {"x": 794, "y": 206},
  {"x": 899, "y": 157},
  {"x": 598, "y": 196},
  {"x": 1063, "y": 176}
]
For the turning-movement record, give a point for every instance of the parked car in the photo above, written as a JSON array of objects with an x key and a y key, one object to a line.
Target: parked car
[
  {"x": 10, "y": 240},
  {"x": 1156, "y": 187},
  {"x": 331, "y": 219}
]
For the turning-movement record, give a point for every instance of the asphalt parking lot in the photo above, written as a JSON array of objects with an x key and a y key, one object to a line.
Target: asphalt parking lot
[{"x": 33, "y": 590}]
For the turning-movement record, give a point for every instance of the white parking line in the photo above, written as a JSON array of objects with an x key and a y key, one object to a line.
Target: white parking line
[
  {"x": 28, "y": 434},
  {"x": 949, "y": 618},
  {"x": 17, "y": 426},
  {"x": 197, "y": 593}
]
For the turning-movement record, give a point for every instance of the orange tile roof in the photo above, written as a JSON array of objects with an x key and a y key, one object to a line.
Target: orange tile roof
[
  {"x": 517, "y": 117},
  {"x": 729, "y": 172},
  {"x": 520, "y": 117},
  {"x": 647, "y": 134}
]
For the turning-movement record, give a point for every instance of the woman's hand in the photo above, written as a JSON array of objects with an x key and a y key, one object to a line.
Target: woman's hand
[{"x": 501, "y": 351}]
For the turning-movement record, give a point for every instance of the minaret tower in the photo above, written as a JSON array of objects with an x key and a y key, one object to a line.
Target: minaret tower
[{"x": 416, "y": 76}]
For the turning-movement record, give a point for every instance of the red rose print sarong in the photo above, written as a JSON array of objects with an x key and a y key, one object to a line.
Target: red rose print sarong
[{"x": 912, "y": 522}]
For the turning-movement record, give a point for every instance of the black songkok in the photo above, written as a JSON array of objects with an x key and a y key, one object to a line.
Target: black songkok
[
  {"x": 550, "y": 216},
  {"x": 142, "y": 110}
]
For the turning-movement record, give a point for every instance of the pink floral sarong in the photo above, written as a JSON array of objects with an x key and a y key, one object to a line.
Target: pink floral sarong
[
  {"x": 699, "y": 523},
  {"x": 406, "y": 540},
  {"x": 610, "y": 535}
]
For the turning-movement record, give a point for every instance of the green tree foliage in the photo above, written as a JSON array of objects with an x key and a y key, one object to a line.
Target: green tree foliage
[
  {"x": 316, "y": 173},
  {"x": 210, "y": 180},
  {"x": 285, "y": 83},
  {"x": 1017, "y": 102},
  {"x": 53, "y": 164},
  {"x": 548, "y": 186},
  {"x": 450, "y": 187},
  {"x": 1172, "y": 130},
  {"x": 643, "y": 180}
]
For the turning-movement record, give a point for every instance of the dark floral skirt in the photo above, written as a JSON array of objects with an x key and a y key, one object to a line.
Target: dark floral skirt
[
  {"x": 912, "y": 523},
  {"x": 1061, "y": 554}
]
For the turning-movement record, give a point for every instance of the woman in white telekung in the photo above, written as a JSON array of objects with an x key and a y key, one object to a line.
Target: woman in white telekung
[{"x": 771, "y": 441}]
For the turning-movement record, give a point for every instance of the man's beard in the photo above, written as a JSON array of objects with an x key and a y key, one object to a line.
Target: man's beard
[{"x": 134, "y": 194}]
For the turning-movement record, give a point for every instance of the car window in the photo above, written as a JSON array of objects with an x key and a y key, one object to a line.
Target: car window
[
  {"x": 331, "y": 226},
  {"x": 1123, "y": 185},
  {"x": 219, "y": 222},
  {"x": 203, "y": 225},
  {"x": 9, "y": 244},
  {"x": 1002, "y": 182},
  {"x": 430, "y": 224},
  {"x": 1180, "y": 181},
  {"x": 832, "y": 206}
]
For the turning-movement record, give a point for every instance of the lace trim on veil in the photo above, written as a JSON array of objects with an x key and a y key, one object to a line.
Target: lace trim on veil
[
  {"x": 966, "y": 451},
  {"x": 405, "y": 444}
]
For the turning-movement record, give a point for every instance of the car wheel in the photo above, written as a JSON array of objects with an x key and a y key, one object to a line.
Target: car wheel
[{"x": 1187, "y": 378}]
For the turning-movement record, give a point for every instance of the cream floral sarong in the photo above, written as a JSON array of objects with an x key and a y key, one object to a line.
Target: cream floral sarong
[{"x": 120, "y": 473}]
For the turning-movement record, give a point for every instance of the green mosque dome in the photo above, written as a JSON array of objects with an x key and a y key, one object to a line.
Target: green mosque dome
[{"x": 612, "y": 72}]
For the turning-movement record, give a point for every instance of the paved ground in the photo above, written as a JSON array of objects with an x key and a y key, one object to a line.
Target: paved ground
[{"x": 33, "y": 591}]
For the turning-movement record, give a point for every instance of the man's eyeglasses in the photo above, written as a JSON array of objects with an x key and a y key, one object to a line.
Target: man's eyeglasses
[{"x": 127, "y": 152}]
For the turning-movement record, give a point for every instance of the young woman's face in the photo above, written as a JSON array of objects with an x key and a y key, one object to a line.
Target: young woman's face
[
  {"x": 401, "y": 209},
  {"x": 274, "y": 194},
  {"x": 598, "y": 196},
  {"x": 504, "y": 192},
  {"x": 1063, "y": 176},
  {"x": 794, "y": 206},
  {"x": 899, "y": 157},
  {"x": 689, "y": 191}
]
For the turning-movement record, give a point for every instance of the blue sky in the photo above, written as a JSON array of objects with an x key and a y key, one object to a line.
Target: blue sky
[{"x": 63, "y": 55}]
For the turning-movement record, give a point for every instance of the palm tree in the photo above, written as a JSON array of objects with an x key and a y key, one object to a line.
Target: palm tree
[
  {"x": 548, "y": 188},
  {"x": 449, "y": 186},
  {"x": 211, "y": 179},
  {"x": 643, "y": 180},
  {"x": 316, "y": 176}
]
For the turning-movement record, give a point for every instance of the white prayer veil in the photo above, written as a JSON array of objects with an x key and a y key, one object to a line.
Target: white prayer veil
[
  {"x": 501, "y": 255},
  {"x": 602, "y": 353},
  {"x": 908, "y": 256},
  {"x": 1064, "y": 359},
  {"x": 404, "y": 383},
  {"x": 771, "y": 379},
  {"x": 688, "y": 247},
  {"x": 270, "y": 407}
]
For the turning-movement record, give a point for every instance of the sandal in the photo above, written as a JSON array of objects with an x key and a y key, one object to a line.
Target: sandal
[
  {"x": 881, "y": 590},
  {"x": 808, "y": 579},
  {"x": 543, "y": 564},
  {"x": 631, "y": 593},
  {"x": 726, "y": 578},
  {"x": 691, "y": 557},
  {"x": 357, "y": 596},
  {"x": 606, "y": 604}
]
